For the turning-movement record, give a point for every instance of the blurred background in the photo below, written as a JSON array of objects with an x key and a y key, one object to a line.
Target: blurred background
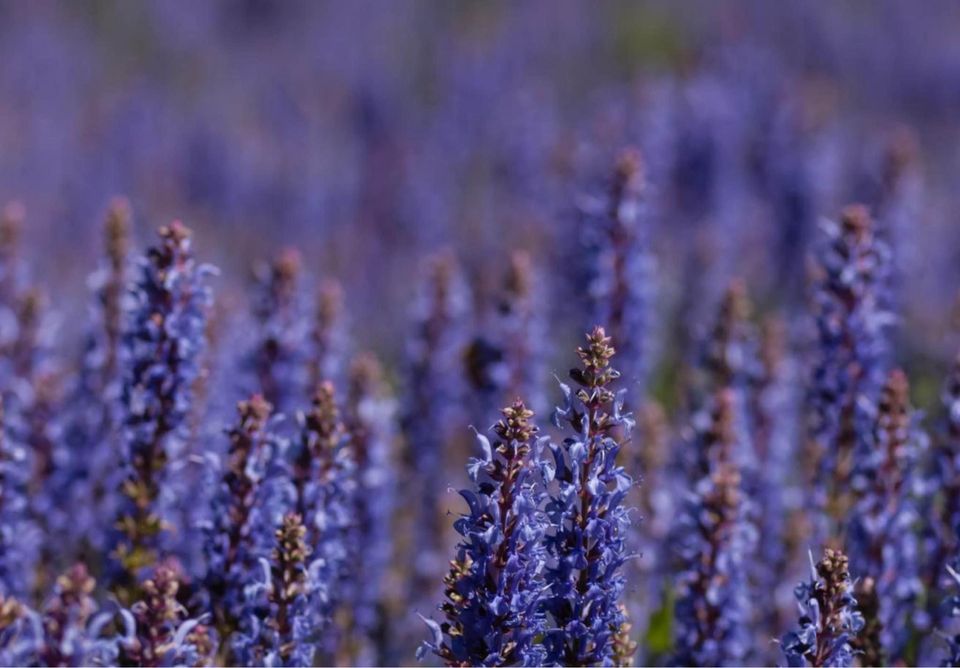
[{"x": 369, "y": 134}]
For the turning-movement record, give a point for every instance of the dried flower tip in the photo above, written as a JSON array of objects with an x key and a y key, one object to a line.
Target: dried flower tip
[
  {"x": 176, "y": 232},
  {"x": 856, "y": 221},
  {"x": 516, "y": 426}
]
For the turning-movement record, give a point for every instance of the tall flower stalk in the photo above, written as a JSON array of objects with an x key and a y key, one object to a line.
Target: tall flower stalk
[
  {"x": 829, "y": 620},
  {"x": 370, "y": 422},
  {"x": 849, "y": 304},
  {"x": 280, "y": 625},
  {"x": 714, "y": 538},
  {"x": 430, "y": 407},
  {"x": 162, "y": 344},
  {"x": 623, "y": 276},
  {"x": 323, "y": 473},
  {"x": 233, "y": 540},
  {"x": 494, "y": 590},
  {"x": 278, "y": 359},
  {"x": 881, "y": 535},
  {"x": 587, "y": 516}
]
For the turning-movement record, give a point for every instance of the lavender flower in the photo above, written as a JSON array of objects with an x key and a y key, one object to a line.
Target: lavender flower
[
  {"x": 494, "y": 589},
  {"x": 161, "y": 343},
  {"x": 587, "y": 519},
  {"x": 829, "y": 620},
  {"x": 851, "y": 317},
  {"x": 623, "y": 275},
  {"x": 521, "y": 328},
  {"x": 714, "y": 539},
  {"x": 881, "y": 534}
]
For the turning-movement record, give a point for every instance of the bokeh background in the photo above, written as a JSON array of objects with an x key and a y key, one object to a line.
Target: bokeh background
[{"x": 371, "y": 133}]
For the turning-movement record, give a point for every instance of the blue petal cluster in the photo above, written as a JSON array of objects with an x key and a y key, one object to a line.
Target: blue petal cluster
[
  {"x": 494, "y": 590},
  {"x": 829, "y": 620},
  {"x": 587, "y": 516},
  {"x": 849, "y": 304},
  {"x": 881, "y": 534},
  {"x": 622, "y": 281},
  {"x": 278, "y": 359},
  {"x": 714, "y": 539},
  {"x": 370, "y": 418},
  {"x": 161, "y": 344}
]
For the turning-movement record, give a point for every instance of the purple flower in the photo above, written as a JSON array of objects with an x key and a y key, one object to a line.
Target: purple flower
[
  {"x": 881, "y": 534},
  {"x": 829, "y": 621},
  {"x": 162, "y": 344},
  {"x": 234, "y": 540},
  {"x": 587, "y": 518},
  {"x": 279, "y": 356},
  {"x": 157, "y": 629},
  {"x": 849, "y": 303},
  {"x": 714, "y": 538},
  {"x": 281, "y": 625},
  {"x": 370, "y": 422},
  {"x": 622, "y": 280},
  {"x": 495, "y": 588}
]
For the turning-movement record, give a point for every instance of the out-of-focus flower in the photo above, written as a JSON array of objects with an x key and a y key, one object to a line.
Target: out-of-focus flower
[
  {"x": 714, "y": 539},
  {"x": 495, "y": 588},
  {"x": 431, "y": 410},
  {"x": 162, "y": 344},
  {"x": 370, "y": 416},
  {"x": 328, "y": 338},
  {"x": 278, "y": 361},
  {"x": 881, "y": 534},
  {"x": 157, "y": 629},
  {"x": 849, "y": 303},
  {"x": 240, "y": 516},
  {"x": 623, "y": 275}
]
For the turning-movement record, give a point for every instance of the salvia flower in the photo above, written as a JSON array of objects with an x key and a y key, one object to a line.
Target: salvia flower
[
  {"x": 72, "y": 630},
  {"x": 90, "y": 433},
  {"x": 328, "y": 338},
  {"x": 370, "y": 423},
  {"x": 587, "y": 517},
  {"x": 714, "y": 539},
  {"x": 829, "y": 621},
  {"x": 881, "y": 535},
  {"x": 622, "y": 282},
  {"x": 281, "y": 626},
  {"x": 157, "y": 629},
  {"x": 951, "y": 610},
  {"x": 323, "y": 474},
  {"x": 19, "y": 538},
  {"x": 430, "y": 406},
  {"x": 494, "y": 588},
  {"x": 239, "y": 512},
  {"x": 162, "y": 344},
  {"x": 849, "y": 303},
  {"x": 942, "y": 508},
  {"x": 278, "y": 359}
]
